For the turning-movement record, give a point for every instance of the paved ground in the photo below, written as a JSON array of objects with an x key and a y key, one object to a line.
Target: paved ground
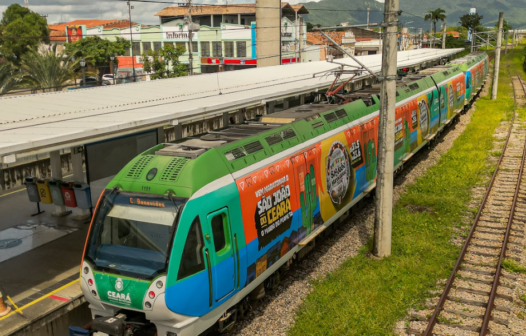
[
  {"x": 39, "y": 261},
  {"x": 20, "y": 232}
]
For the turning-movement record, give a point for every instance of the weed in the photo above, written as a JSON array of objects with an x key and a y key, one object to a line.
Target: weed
[{"x": 512, "y": 266}]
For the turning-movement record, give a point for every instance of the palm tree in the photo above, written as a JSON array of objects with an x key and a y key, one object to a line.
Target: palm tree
[
  {"x": 8, "y": 77},
  {"x": 434, "y": 16},
  {"x": 46, "y": 71}
]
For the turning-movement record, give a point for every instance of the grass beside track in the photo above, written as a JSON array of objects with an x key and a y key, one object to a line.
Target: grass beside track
[{"x": 368, "y": 297}]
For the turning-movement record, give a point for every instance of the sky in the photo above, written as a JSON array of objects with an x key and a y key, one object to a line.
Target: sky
[{"x": 69, "y": 10}]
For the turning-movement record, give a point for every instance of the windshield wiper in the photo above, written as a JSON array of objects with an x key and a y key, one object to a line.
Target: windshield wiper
[{"x": 176, "y": 213}]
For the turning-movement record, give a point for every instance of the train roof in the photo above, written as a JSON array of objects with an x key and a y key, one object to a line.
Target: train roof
[{"x": 184, "y": 166}]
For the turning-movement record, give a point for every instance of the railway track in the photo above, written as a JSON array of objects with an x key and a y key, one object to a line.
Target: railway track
[{"x": 478, "y": 294}]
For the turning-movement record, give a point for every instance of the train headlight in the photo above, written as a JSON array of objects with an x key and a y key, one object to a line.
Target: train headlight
[
  {"x": 159, "y": 284},
  {"x": 148, "y": 305},
  {"x": 151, "y": 294},
  {"x": 86, "y": 270},
  {"x": 90, "y": 282},
  {"x": 94, "y": 293}
]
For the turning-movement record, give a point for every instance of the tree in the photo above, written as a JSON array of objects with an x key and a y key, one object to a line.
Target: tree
[
  {"x": 46, "y": 71},
  {"x": 309, "y": 26},
  {"x": 505, "y": 26},
  {"x": 434, "y": 16},
  {"x": 20, "y": 31},
  {"x": 8, "y": 78},
  {"x": 471, "y": 21},
  {"x": 97, "y": 51},
  {"x": 154, "y": 62}
]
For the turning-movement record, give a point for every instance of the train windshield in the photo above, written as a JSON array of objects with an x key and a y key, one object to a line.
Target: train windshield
[{"x": 132, "y": 233}]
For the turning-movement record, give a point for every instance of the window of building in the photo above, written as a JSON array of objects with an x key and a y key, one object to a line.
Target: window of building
[
  {"x": 157, "y": 46},
  {"x": 192, "y": 258},
  {"x": 242, "y": 21},
  {"x": 195, "y": 48},
  {"x": 205, "y": 49},
  {"x": 229, "y": 49},
  {"x": 217, "y": 50},
  {"x": 136, "y": 46},
  {"x": 241, "y": 47},
  {"x": 146, "y": 46}
]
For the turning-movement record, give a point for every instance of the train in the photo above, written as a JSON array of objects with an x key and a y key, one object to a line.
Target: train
[{"x": 189, "y": 231}]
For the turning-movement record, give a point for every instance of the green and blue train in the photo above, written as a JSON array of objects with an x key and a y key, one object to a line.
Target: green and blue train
[{"x": 187, "y": 231}]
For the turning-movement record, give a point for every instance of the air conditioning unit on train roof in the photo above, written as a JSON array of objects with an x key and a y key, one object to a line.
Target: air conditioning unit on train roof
[{"x": 190, "y": 149}]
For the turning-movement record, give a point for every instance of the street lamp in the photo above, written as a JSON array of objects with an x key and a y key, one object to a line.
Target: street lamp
[
  {"x": 82, "y": 65},
  {"x": 112, "y": 57}
]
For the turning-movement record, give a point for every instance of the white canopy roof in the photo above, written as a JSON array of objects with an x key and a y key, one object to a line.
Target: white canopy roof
[{"x": 32, "y": 123}]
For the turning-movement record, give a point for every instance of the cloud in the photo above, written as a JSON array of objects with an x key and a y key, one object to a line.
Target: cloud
[{"x": 69, "y": 10}]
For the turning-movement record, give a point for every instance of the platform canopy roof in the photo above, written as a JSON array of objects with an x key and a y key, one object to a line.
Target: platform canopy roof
[{"x": 49, "y": 121}]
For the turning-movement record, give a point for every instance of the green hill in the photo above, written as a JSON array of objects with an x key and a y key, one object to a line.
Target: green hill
[{"x": 332, "y": 12}]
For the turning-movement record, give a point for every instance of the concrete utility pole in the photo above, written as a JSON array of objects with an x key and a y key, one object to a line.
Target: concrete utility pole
[
  {"x": 386, "y": 131},
  {"x": 368, "y": 9},
  {"x": 444, "y": 37},
  {"x": 190, "y": 48},
  {"x": 268, "y": 32},
  {"x": 497, "y": 58}
]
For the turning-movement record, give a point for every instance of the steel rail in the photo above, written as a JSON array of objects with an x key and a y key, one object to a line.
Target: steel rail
[
  {"x": 493, "y": 292},
  {"x": 449, "y": 283}
]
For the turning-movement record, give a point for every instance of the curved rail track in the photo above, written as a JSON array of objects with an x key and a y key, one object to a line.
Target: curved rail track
[{"x": 477, "y": 294}]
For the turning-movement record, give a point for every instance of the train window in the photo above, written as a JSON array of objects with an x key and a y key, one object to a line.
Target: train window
[
  {"x": 317, "y": 124},
  {"x": 341, "y": 114},
  {"x": 235, "y": 153},
  {"x": 330, "y": 117},
  {"x": 274, "y": 139},
  {"x": 253, "y": 147},
  {"x": 218, "y": 231},
  {"x": 192, "y": 259},
  {"x": 414, "y": 86},
  {"x": 445, "y": 73},
  {"x": 288, "y": 134}
]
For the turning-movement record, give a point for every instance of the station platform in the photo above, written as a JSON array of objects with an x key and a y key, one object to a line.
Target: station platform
[{"x": 39, "y": 263}]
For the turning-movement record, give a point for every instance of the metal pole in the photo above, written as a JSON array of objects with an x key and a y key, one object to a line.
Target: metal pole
[
  {"x": 444, "y": 37},
  {"x": 506, "y": 39},
  {"x": 190, "y": 48},
  {"x": 497, "y": 58},
  {"x": 368, "y": 9},
  {"x": 513, "y": 39},
  {"x": 386, "y": 131},
  {"x": 301, "y": 38},
  {"x": 83, "y": 77},
  {"x": 487, "y": 42},
  {"x": 131, "y": 41},
  {"x": 431, "y": 43}
]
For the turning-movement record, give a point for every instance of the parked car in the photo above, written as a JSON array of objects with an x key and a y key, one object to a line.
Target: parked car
[
  {"x": 90, "y": 81},
  {"x": 108, "y": 77}
]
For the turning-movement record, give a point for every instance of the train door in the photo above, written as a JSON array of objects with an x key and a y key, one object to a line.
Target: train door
[
  {"x": 222, "y": 253},
  {"x": 443, "y": 106},
  {"x": 468, "y": 84}
]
